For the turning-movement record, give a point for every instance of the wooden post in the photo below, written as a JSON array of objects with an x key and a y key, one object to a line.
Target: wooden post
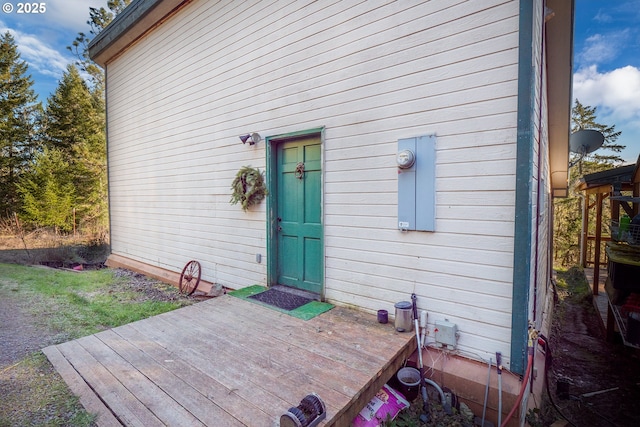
[
  {"x": 584, "y": 238},
  {"x": 596, "y": 265}
]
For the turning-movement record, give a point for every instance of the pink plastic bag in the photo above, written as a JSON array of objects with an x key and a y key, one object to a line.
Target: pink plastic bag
[{"x": 386, "y": 403}]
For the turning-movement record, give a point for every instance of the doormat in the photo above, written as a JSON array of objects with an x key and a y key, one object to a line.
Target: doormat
[
  {"x": 306, "y": 311},
  {"x": 284, "y": 300}
]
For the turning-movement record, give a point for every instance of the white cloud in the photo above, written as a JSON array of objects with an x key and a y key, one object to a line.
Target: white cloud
[
  {"x": 41, "y": 57},
  {"x": 616, "y": 94},
  {"x": 600, "y": 48},
  {"x": 603, "y": 17},
  {"x": 72, "y": 14}
]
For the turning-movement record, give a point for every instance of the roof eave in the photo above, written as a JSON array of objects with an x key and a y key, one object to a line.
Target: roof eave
[
  {"x": 132, "y": 23},
  {"x": 559, "y": 91}
]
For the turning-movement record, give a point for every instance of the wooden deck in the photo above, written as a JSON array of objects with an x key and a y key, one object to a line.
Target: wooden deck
[
  {"x": 600, "y": 301},
  {"x": 229, "y": 362}
]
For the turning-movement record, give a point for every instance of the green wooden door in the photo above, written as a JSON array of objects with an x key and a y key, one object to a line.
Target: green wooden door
[{"x": 299, "y": 228}]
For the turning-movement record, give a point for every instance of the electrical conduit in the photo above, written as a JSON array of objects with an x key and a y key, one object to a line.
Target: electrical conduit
[
  {"x": 499, "y": 368},
  {"x": 486, "y": 392}
]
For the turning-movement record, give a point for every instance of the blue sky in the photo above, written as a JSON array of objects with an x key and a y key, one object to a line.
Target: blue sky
[
  {"x": 607, "y": 65},
  {"x": 606, "y": 55},
  {"x": 42, "y": 38}
]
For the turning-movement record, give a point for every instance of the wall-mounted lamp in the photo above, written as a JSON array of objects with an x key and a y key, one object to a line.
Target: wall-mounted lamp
[{"x": 251, "y": 138}]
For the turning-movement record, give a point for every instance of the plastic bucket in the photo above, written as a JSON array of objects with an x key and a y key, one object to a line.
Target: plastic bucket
[{"x": 409, "y": 379}]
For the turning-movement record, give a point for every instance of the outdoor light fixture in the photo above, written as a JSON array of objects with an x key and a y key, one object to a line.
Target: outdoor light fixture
[{"x": 251, "y": 138}]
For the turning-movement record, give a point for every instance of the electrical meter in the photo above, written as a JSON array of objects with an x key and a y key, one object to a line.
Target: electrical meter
[{"x": 405, "y": 159}]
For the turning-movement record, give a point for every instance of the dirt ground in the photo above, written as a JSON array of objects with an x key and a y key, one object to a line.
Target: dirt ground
[
  {"x": 21, "y": 333},
  {"x": 582, "y": 361},
  {"x": 602, "y": 379}
]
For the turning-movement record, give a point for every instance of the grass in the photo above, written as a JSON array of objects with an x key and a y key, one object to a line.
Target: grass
[
  {"x": 70, "y": 305},
  {"x": 572, "y": 284},
  {"x": 42, "y": 400},
  {"x": 79, "y": 304}
]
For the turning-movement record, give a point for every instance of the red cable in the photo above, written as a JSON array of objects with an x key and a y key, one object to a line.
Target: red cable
[{"x": 525, "y": 381}]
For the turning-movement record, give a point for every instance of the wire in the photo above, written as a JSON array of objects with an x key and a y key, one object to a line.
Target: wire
[
  {"x": 600, "y": 415},
  {"x": 547, "y": 365}
]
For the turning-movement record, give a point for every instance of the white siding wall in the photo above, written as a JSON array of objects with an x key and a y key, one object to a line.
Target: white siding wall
[
  {"x": 371, "y": 72},
  {"x": 544, "y": 212}
]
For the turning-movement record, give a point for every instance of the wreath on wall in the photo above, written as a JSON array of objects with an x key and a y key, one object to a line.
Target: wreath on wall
[{"x": 248, "y": 187}]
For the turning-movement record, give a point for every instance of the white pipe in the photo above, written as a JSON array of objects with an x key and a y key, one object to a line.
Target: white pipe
[{"x": 423, "y": 325}]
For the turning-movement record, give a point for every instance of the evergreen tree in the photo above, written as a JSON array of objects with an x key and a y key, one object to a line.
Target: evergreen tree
[
  {"x": 74, "y": 127},
  {"x": 568, "y": 211},
  {"x": 18, "y": 113},
  {"x": 584, "y": 117},
  {"x": 99, "y": 18},
  {"x": 48, "y": 192}
]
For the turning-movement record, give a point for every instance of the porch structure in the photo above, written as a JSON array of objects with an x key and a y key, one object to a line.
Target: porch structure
[
  {"x": 621, "y": 186},
  {"x": 600, "y": 299},
  {"x": 229, "y": 362}
]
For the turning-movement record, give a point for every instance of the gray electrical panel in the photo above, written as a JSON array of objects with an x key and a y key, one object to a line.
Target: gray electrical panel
[
  {"x": 416, "y": 183},
  {"x": 446, "y": 334}
]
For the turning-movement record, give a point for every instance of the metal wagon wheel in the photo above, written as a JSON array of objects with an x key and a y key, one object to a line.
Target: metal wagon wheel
[{"x": 190, "y": 277}]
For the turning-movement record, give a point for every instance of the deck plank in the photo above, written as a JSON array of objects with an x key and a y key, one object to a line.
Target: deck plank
[
  {"x": 225, "y": 368},
  {"x": 89, "y": 400},
  {"x": 230, "y": 362},
  {"x": 189, "y": 398},
  {"x": 129, "y": 410},
  {"x": 338, "y": 337},
  {"x": 146, "y": 391},
  {"x": 291, "y": 350},
  {"x": 245, "y": 412},
  {"x": 261, "y": 362}
]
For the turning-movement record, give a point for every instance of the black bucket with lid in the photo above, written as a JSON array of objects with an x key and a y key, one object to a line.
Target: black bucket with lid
[{"x": 409, "y": 379}]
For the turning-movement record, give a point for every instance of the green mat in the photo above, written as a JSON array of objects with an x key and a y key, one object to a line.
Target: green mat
[{"x": 305, "y": 312}]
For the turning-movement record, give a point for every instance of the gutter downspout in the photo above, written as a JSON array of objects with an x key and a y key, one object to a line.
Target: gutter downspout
[
  {"x": 539, "y": 168},
  {"x": 524, "y": 174},
  {"x": 106, "y": 137}
]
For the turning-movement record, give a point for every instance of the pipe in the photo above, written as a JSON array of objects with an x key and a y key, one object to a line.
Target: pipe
[
  {"x": 423, "y": 325},
  {"x": 486, "y": 393},
  {"x": 522, "y": 389},
  {"x": 533, "y": 338},
  {"x": 443, "y": 399},
  {"x": 424, "y": 417},
  {"x": 499, "y": 368}
]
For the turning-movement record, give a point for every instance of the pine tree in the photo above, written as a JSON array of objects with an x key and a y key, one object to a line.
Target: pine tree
[
  {"x": 568, "y": 211},
  {"x": 584, "y": 117},
  {"x": 74, "y": 126},
  {"x": 48, "y": 193},
  {"x": 18, "y": 113},
  {"x": 99, "y": 18}
]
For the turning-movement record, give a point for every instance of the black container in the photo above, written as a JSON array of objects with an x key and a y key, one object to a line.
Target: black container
[
  {"x": 562, "y": 389},
  {"x": 409, "y": 379},
  {"x": 624, "y": 276},
  {"x": 383, "y": 316},
  {"x": 633, "y": 328}
]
